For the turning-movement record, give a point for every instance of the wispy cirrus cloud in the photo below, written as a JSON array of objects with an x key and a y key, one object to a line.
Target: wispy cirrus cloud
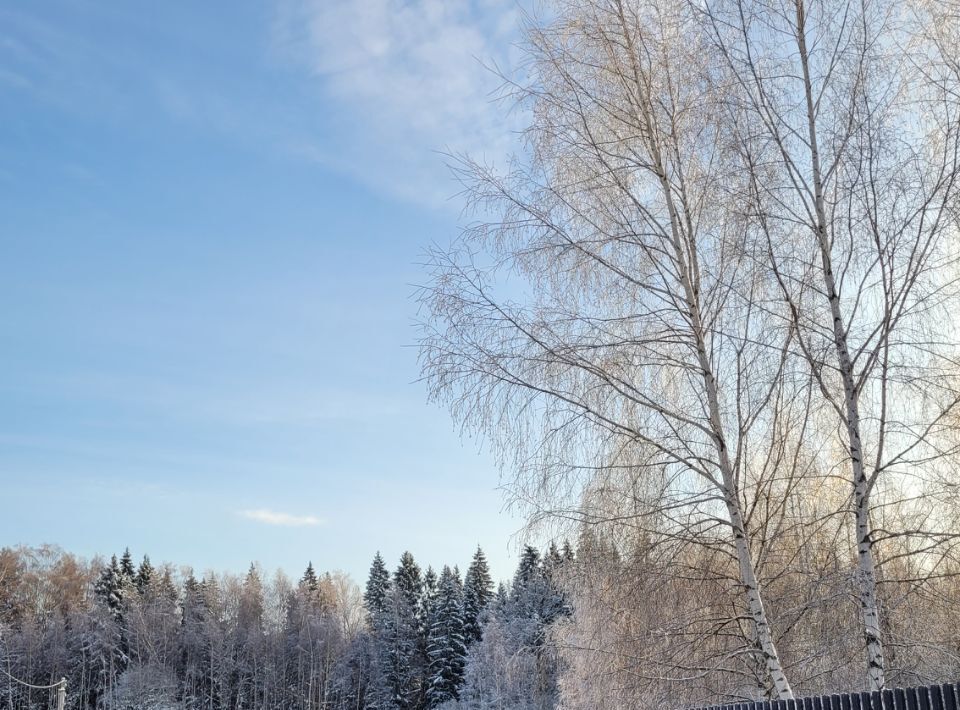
[
  {"x": 274, "y": 517},
  {"x": 406, "y": 79}
]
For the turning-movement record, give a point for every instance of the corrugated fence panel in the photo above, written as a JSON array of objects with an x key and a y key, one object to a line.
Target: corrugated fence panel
[
  {"x": 899, "y": 699},
  {"x": 930, "y": 697},
  {"x": 949, "y": 697}
]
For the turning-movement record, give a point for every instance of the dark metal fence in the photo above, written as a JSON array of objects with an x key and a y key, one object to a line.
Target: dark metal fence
[{"x": 930, "y": 697}]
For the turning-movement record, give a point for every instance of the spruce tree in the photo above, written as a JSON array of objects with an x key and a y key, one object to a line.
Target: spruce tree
[
  {"x": 210, "y": 590},
  {"x": 553, "y": 558},
  {"x": 526, "y": 596},
  {"x": 166, "y": 589},
  {"x": 309, "y": 579},
  {"x": 502, "y": 597},
  {"x": 428, "y": 598},
  {"x": 536, "y": 599},
  {"x": 528, "y": 568},
  {"x": 378, "y": 584},
  {"x": 429, "y": 582},
  {"x": 446, "y": 648},
  {"x": 399, "y": 651},
  {"x": 195, "y": 651},
  {"x": 516, "y": 628},
  {"x": 408, "y": 580},
  {"x": 127, "y": 569},
  {"x": 193, "y": 602},
  {"x": 144, "y": 576},
  {"x": 250, "y": 613},
  {"x": 109, "y": 589},
  {"x": 477, "y": 594}
]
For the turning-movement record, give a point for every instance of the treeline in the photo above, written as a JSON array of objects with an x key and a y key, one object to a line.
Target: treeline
[{"x": 136, "y": 636}]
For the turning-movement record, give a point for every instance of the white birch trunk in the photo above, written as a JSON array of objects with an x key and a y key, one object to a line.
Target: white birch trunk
[
  {"x": 748, "y": 576},
  {"x": 866, "y": 577}
]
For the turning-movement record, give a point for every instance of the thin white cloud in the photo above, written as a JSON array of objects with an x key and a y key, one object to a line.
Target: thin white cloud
[
  {"x": 406, "y": 79},
  {"x": 273, "y": 517}
]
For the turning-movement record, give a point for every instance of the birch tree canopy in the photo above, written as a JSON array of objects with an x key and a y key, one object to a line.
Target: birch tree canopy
[{"x": 722, "y": 266}]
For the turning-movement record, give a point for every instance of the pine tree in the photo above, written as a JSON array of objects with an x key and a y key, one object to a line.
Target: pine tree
[
  {"x": 144, "y": 576},
  {"x": 446, "y": 648},
  {"x": 477, "y": 594},
  {"x": 378, "y": 584}
]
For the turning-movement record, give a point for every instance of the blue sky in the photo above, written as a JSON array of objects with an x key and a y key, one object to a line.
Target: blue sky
[{"x": 210, "y": 221}]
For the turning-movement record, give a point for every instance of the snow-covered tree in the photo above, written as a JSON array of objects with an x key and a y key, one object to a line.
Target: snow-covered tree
[
  {"x": 477, "y": 594},
  {"x": 378, "y": 584},
  {"x": 144, "y": 575},
  {"x": 109, "y": 588},
  {"x": 399, "y": 651},
  {"x": 428, "y": 600},
  {"x": 446, "y": 647},
  {"x": 127, "y": 569},
  {"x": 109, "y": 640},
  {"x": 408, "y": 580},
  {"x": 194, "y": 647},
  {"x": 513, "y": 665},
  {"x": 309, "y": 579},
  {"x": 251, "y": 604}
]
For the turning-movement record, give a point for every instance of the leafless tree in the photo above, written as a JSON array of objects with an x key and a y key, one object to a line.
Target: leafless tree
[
  {"x": 610, "y": 315},
  {"x": 848, "y": 121}
]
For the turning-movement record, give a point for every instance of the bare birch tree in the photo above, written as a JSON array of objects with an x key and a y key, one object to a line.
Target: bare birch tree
[
  {"x": 609, "y": 316},
  {"x": 849, "y": 123}
]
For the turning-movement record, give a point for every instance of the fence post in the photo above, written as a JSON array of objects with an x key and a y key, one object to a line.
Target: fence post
[{"x": 62, "y": 694}]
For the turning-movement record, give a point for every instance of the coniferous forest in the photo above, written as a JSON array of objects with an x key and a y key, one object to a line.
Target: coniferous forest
[{"x": 138, "y": 636}]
